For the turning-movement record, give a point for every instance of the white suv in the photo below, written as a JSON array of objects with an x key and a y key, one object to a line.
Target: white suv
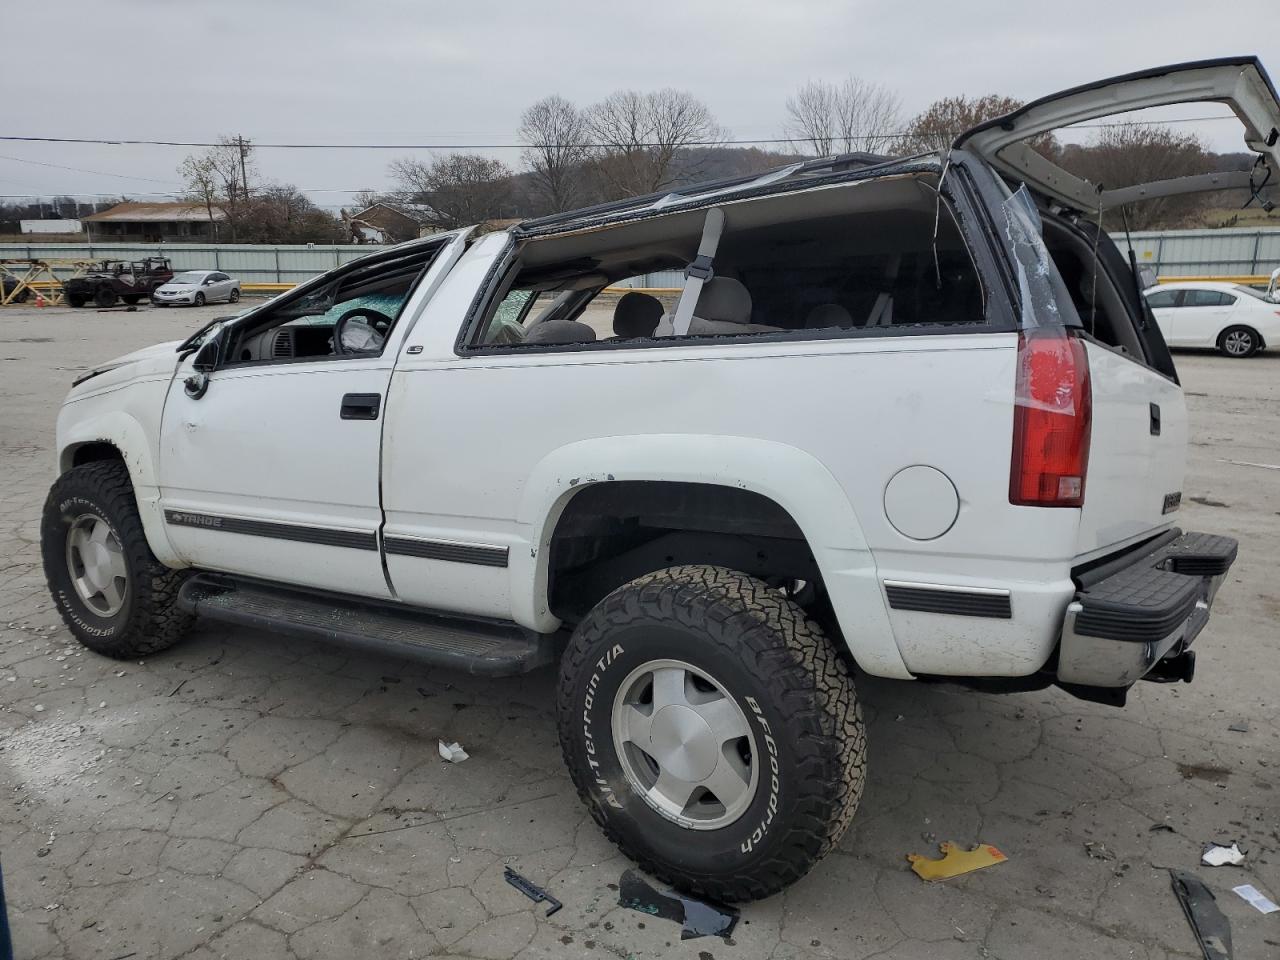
[{"x": 911, "y": 416}]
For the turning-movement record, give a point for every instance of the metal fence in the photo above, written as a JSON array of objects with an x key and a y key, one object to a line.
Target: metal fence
[
  {"x": 1233, "y": 252},
  {"x": 252, "y": 263}
]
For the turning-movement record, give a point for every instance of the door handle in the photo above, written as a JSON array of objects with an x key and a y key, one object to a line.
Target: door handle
[
  {"x": 1155, "y": 419},
  {"x": 360, "y": 406}
]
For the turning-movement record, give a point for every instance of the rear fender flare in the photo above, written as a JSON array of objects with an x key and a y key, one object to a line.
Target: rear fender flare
[{"x": 792, "y": 478}]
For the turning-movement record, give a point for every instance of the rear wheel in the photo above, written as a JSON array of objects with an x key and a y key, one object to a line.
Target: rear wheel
[
  {"x": 113, "y": 594},
  {"x": 711, "y": 728},
  {"x": 199, "y": 300},
  {"x": 234, "y": 296},
  {"x": 1239, "y": 341},
  {"x": 104, "y": 297},
  {"x": 131, "y": 298},
  {"x": 76, "y": 299}
]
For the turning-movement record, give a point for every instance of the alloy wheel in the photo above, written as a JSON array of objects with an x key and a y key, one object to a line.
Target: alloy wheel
[
  {"x": 685, "y": 745},
  {"x": 95, "y": 559}
]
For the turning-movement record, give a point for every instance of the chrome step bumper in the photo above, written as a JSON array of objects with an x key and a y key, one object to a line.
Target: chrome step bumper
[{"x": 1120, "y": 626}]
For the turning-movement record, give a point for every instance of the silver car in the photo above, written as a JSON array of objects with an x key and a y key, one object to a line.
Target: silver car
[{"x": 196, "y": 288}]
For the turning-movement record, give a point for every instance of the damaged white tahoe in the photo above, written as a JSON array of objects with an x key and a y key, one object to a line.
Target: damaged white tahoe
[{"x": 912, "y": 416}]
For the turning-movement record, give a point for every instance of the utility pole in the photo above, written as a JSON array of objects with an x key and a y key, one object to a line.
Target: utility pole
[{"x": 244, "y": 176}]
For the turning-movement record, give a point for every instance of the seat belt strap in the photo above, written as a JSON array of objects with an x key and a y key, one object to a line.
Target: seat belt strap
[{"x": 698, "y": 272}]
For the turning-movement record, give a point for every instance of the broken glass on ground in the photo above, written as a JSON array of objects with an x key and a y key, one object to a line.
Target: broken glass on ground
[{"x": 697, "y": 918}]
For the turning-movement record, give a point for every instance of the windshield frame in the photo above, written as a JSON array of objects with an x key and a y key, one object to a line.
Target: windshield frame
[{"x": 198, "y": 274}]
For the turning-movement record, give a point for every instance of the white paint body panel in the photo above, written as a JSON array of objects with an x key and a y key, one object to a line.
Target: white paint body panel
[
  {"x": 489, "y": 449},
  {"x": 266, "y": 443},
  {"x": 1130, "y": 470}
]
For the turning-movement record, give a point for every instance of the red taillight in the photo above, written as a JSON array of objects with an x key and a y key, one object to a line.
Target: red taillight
[{"x": 1052, "y": 415}]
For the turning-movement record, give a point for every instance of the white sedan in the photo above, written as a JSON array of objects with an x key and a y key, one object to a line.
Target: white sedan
[
  {"x": 1237, "y": 320},
  {"x": 197, "y": 287}
]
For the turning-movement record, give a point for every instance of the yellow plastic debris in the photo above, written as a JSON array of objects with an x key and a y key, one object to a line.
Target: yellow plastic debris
[{"x": 955, "y": 861}]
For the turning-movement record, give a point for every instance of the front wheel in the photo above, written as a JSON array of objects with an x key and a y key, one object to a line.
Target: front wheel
[
  {"x": 131, "y": 298},
  {"x": 114, "y": 595},
  {"x": 712, "y": 730},
  {"x": 199, "y": 300},
  {"x": 104, "y": 297},
  {"x": 1239, "y": 341},
  {"x": 76, "y": 299}
]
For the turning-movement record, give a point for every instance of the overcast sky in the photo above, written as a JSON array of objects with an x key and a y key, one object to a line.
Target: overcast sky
[{"x": 420, "y": 72}]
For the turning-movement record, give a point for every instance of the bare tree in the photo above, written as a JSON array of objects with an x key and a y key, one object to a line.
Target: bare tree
[
  {"x": 1123, "y": 156},
  {"x": 281, "y": 213},
  {"x": 852, "y": 115},
  {"x": 201, "y": 181},
  {"x": 636, "y": 136},
  {"x": 556, "y": 133},
  {"x": 221, "y": 173},
  {"x": 366, "y": 198},
  {"x": 454, "y": 190}
]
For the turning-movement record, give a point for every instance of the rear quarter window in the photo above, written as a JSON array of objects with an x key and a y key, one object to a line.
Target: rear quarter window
[{"x": 1207, "y": 298}]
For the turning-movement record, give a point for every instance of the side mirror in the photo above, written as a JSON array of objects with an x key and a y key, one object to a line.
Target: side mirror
[
  {"x": 206, "y": 359},
  {"x": 204, "y": 363}
]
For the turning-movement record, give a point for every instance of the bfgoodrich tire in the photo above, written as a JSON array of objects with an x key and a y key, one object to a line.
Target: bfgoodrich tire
[
  {"x": 712, "y": 730},
  {"x": 113, "y": 594}
]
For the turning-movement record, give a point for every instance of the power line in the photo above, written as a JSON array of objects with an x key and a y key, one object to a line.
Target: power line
[
  {"x": 100, "y": 173},
  {"x": 523, "y": 146},
  {"x": 172, "y": 194}
]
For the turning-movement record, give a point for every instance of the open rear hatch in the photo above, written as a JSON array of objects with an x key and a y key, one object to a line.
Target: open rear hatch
[
  {"x": 1241, "y": 83},
  {"x": 1135, "y": 446}
]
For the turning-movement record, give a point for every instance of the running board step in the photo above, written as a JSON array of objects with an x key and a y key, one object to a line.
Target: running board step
[{"x": 489, "y": 648}]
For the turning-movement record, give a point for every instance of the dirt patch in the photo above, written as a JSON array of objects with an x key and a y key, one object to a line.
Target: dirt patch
[{"x": 1203, "y": 771}]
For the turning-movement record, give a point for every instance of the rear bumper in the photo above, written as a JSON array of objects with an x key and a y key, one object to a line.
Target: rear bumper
[{"x": 1123, "y": 621}]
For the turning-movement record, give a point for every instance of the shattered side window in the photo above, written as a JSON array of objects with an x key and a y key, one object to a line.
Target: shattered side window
[{"x": 1040, "y": 287}]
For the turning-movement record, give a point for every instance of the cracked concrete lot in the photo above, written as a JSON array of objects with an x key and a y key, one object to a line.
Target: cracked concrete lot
[{"x": 249, "y": 796}]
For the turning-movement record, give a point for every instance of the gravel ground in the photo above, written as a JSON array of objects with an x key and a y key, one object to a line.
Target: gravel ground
[{"x": 246, "y": 795}]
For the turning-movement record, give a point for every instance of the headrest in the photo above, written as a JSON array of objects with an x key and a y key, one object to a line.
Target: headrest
[
  {"x": 828, "y": 315},
  {"x": 636, "y": 315},
  {"x": 723, "y": 298},
  {"x": 561, "y": 331}
]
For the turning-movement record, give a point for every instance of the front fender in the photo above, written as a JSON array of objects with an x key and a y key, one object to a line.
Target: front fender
[
  {"x": 93, "y": 421},
  {"x": 792, "y": 478}
]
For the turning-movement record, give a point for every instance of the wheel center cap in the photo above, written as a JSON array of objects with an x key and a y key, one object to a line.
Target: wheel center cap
[
  {"x": 97, "y": 564},
  {"x": 683, "y": 743}
]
